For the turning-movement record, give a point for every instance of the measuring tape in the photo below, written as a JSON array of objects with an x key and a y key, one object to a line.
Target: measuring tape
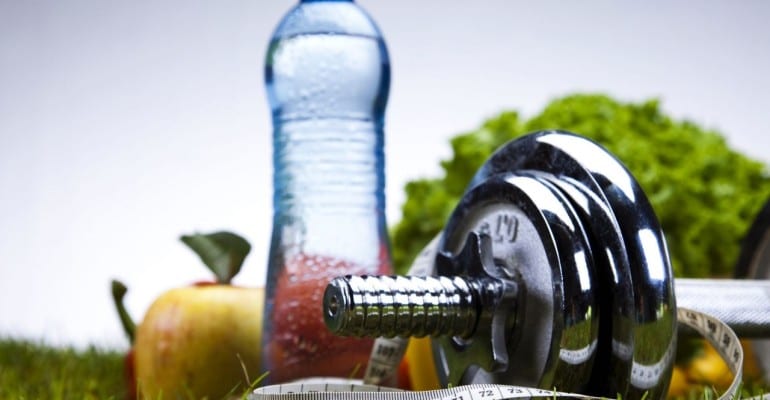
[{"x": 387, "y": 354}]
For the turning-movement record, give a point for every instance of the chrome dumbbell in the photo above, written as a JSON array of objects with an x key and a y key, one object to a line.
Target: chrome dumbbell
[{"x": 552, "y": 271}]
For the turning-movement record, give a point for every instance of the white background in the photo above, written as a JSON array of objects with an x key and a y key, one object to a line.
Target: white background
[{"x": 126, "y": 124}]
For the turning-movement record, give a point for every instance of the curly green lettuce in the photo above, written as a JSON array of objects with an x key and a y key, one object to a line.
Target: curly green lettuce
[{"x": 704, "y": 193}]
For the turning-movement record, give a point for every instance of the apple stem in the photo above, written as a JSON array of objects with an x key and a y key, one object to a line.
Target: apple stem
[{"x": 118, "y": 292}]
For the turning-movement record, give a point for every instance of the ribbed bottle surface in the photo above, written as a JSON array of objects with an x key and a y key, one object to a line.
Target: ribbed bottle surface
[
  {"x": 330, "y": 165},
  {"x": 327, "y": 75}
]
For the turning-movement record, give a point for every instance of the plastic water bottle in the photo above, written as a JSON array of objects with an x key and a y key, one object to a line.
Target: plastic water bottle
[{"x": 327, "y": 74}]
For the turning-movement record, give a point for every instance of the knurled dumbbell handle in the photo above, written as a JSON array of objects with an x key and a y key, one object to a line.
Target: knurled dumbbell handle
[{"x": 744, "y": 305}]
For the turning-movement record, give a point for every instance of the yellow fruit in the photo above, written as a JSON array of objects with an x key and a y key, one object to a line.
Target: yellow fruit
[
  {"x": 679, "y": 385},
  {"x": 422, "y": 370},
  {"x": 196, "y": 342},
  {"x": 710, "y": 370},
  {"x": 751, "y": 368}
]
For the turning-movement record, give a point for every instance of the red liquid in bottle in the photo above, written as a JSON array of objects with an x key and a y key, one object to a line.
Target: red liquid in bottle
[{"x": 301, "y": 345}]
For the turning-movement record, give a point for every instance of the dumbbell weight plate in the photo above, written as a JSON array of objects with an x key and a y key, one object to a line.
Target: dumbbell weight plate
[
  {"x": 615, "y": 348},
  {"x": 754, "y": 260},
  {"x": 640, "y": 283},
  {"x": 754, "y": 263},
  {"x": 535, "y": 235}
]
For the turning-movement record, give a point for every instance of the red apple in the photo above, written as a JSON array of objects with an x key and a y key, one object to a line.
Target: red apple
[{"x": 202, "y": 340}]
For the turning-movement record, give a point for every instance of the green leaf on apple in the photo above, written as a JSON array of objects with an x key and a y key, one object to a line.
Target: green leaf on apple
[
  {"x": 222, "y": 252},
  {"x": 119, "y": 291}
]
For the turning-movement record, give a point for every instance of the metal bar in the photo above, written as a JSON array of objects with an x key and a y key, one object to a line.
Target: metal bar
[{"x": 744, "y": 304}]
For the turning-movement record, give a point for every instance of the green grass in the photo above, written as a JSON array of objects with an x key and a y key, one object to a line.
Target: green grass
[
  {"x": 31, "y": 370},
  {"x": 34, "y": 370}
]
